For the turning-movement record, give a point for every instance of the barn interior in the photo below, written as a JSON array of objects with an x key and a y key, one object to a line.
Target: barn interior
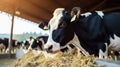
[{"x": 41, "y": 10}]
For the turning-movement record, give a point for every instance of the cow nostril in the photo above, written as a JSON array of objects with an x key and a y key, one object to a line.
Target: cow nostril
[{"x": 50, "y": 47}]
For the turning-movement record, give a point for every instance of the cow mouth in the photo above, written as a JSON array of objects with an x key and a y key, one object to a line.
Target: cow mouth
[
  {"x": 54, "y": 52},
  {"x": 49, "y": 50}
]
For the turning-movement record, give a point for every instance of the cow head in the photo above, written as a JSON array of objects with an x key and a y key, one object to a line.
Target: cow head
[
  {"x": 28, "y": 42},
  {"x": 37, "y": 42},
  {"x": 60, "y": 30}
]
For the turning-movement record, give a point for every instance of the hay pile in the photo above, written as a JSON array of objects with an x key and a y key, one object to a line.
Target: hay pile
[{"x": 61, "y": 60}]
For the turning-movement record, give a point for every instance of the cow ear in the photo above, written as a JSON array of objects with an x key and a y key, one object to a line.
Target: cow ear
[
  {"x": 73, "y": 18},
  {"x": 43, "y": 25},
  {"x": 75, "y": 12}
]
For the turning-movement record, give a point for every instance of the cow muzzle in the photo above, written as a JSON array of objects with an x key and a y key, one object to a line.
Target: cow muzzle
[{"x": 49, "y": 49}]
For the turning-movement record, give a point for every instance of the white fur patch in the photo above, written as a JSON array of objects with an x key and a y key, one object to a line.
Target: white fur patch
[
  {"x": 103, "y": 54},
  {"x": 100, "y": 13},
  {"x": 55, "y": 20},
  {"x": 86, "y": 14},
  {"x": 30, "y": 42},
  {"x": 115, "y": 43},
  {"x": 58, "y": 11}
]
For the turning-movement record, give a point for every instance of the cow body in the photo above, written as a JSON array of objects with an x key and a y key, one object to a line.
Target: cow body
[
  {"x": 111, "y": 23},
  {"x": 89, "y": 32},
  {"x": 96, "y": 30}
]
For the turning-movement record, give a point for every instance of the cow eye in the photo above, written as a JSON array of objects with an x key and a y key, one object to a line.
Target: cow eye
[{"x": 61, "y": 25}]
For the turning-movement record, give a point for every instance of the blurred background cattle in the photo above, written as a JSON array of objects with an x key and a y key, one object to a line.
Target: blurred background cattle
[{"x": 4, "y": 43}]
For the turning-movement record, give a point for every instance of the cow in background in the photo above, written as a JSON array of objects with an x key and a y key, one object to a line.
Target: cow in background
[
  {"x": 4, "y": 43},
  {"x": 19, "y": 44},
  {"x": 27, "y": 42},
  {"x": 38, "y": 43}
]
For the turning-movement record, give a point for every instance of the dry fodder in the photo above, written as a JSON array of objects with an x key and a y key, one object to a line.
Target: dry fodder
[
  {"x": 25, "y": 59},
  {"x": 61, "y": 60}
]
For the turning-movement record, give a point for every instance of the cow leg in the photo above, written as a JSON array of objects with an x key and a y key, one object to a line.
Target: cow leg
[
  {"x": 1, "y": 50},
  {"x": 13, "y": 50},
  {"x": 103, "y": 51},
  {"x": 6, "y": 50}
]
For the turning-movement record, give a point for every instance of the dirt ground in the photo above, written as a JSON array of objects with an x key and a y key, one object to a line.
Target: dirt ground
[{"x": 6, "y": 62}]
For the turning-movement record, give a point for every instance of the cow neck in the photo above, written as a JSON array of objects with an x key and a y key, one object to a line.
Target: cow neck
[
  {"x": 88, "y": 28},
  {"x": 76, "y": 42}
]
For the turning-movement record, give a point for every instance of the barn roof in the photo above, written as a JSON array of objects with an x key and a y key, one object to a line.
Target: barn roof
[{"x": 41, "y": 10}]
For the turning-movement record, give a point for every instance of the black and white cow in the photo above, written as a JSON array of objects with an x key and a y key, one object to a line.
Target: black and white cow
[
  {"x": 19, "y": 44},
  {"x": 90, "y": 32},
  {"x": 14, "y": 45},
  {"x": 39, "y": 42},
  {"x": 4, "y": 43},
  {"x": 27, "y": 42}
]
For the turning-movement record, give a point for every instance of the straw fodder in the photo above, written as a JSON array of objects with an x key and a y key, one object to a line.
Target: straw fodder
[{"x": 60, "y": 60}]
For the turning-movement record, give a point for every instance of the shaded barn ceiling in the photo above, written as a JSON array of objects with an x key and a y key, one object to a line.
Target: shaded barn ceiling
[{"x": 41, "y": 10}]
